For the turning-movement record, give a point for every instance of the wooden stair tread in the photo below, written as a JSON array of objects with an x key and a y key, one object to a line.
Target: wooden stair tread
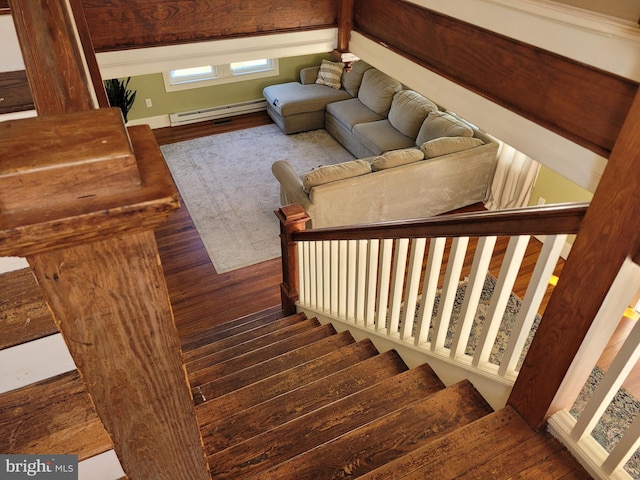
[
  {"x": 243, "y": 335},
  {"x": 302, "y": 434},
  {"x": 55, "y": 415},
  {"x": 218, "y": 408},
  {"x": 251, "y": 345},
  {"x": 265, "y": 354},
  {"x": 295, "y": 403},
  {"x": 224, "y": 330},
  {"x": 495, "y": 446},
  {"x": 385, "y": 438},
  {"x": 24, "y": 315},
  {"x": 281, "y": 363}
]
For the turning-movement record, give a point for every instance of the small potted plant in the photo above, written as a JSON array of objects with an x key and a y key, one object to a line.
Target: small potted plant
[{"x": 119, "y": 95}]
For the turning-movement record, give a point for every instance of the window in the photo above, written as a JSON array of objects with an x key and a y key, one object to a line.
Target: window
[{"x": 209, "y": 75}]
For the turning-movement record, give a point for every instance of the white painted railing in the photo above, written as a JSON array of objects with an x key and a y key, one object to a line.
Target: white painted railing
[
  {"x": 389, "y": 287},
  {"x": 605, "y": 461}
]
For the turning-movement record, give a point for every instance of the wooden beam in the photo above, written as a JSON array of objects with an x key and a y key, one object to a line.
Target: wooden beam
[
  {"x": 608, "y": 235},
  {"x": 345, "y": 24},
  {"x": 52, "y": 57},
  {"x": 582, "y": 103}
]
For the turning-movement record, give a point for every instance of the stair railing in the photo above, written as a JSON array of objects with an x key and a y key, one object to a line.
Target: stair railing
[
  {"x": 383, "y": 280},
  {"x": 581, "y": 427}
]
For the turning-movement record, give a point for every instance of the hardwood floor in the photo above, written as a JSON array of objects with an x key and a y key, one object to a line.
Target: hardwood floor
[{"x": 202, "y": 298}]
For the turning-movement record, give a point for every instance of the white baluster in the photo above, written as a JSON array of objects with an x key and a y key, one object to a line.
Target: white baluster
[
  {"x": 416, "y": 258},
  {"x": 326, "y": 276},
  {"x": 504, "y": 286},
  {"x": 545, "y": 265},
  {"x": 430, "y": 286},
  {"x": 616, "y": 374},
  {"x": 623, "y": 450},
  {"x": 303, "y": 262},
  {"x": 372, "y": 282},
  {"x": 479, "y": 269},
  {"x": 361, "y": 295},
  {"x": 397, "y": 284},
  {"x": 449, "y": 290},
  {"x": 313, "y": 275},
  {"x": 335, "y": 271},
  {"x": 383, "y": 284},
  {"x": 342, "y": 279},
  {"x": 352, "y": 254}
]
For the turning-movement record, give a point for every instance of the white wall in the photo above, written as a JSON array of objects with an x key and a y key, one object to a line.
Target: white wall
[{"x": 10, "y": 57}]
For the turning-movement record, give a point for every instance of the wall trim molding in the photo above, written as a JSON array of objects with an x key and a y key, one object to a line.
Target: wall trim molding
[{"x": 601, "y": 41}]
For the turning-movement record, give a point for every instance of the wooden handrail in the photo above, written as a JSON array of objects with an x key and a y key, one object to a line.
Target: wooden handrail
[{"x": 539, "y": 220}]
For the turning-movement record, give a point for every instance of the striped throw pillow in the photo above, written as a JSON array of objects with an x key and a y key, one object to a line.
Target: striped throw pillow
[{"x": 330, "y": 74}]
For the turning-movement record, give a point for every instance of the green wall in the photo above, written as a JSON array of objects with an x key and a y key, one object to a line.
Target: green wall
[
  {"x": 152, "y": 86},
  {"x": 555, "y": 188}
]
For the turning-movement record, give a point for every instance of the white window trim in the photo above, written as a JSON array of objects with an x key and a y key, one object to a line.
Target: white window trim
[{"x": 224, "y": 76}]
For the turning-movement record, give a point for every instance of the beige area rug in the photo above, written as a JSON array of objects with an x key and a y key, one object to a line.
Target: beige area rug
[{"x": 230, "y": 192}]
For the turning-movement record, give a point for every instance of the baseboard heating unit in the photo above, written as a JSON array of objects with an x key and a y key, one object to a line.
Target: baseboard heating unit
[{"x": 213, "y": 113}]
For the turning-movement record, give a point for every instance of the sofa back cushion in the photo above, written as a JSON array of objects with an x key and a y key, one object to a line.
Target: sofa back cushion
[
  {"x": 352, "y": 79},
  {"x": 408, "y": 111},
  {"x": 377, "y": 91},
  {"x": 442, "y": 124},
  {"x": 445, "y": 145},
  {"x": 396, "y": 158},
  {"x": 332, "y": 173}
]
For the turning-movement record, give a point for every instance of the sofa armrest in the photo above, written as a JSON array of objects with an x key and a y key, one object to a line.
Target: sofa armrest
[
  {"x": 291, "y": 190},
  {"x": 308, "y": 75}
]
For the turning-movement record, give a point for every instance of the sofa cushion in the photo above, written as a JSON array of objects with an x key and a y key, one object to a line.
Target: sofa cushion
[
  {"x": 445, "y": 145},
  {"x": 396, "y": 158},
  {"x": 408, "y": 111},
  {"x": 442, "y": 124},
  {"x": 352, "y": 112},
  {"x": 377, "y": 91},
  {"x": 292, "y": 98},
  {"x": 380, "y": 137},
  {"x": 330, "y": 74},
  {"x": 352, "y": 79},
  {"x": 332, "y": 173}
]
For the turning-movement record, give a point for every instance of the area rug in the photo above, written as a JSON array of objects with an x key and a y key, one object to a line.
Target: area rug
[
  {"x": 618, "y": 416},
  {"x": 226, "y": 183}
]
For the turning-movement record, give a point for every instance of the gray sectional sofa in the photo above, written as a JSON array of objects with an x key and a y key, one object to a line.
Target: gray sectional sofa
[{"x": 415, "y": 159}]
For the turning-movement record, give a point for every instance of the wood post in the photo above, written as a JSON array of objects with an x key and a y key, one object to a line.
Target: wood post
[
  {"x": 607, "y": 236},
  {"x": 90, "y": 194},
  {"x": 292, "y": 218}
]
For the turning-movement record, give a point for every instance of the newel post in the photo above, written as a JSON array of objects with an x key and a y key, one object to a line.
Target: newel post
[
  {"x": 80, "y": 203},
  {"x": 292, "y": 218}
]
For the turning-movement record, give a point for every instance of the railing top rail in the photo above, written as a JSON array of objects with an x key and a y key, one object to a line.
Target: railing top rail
[{"x": 540, "y": 220}]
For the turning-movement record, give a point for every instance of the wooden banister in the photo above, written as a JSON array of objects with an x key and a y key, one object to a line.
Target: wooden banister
[{"x": 540, "y": 220}]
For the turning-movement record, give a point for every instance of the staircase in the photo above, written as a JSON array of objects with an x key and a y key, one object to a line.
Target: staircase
[
  {"x": 289, "y": 398},
  {"x": 286, "y": 397}
]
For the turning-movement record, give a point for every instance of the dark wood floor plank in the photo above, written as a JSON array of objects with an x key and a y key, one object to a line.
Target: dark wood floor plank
[
  {"x": 284, "y": 408},
  {"x": 305, "y": 433}
]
